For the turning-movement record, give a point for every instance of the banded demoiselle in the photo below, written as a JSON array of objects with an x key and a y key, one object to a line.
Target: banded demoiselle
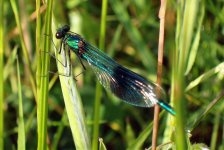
[{"x": 123, "y": 83}]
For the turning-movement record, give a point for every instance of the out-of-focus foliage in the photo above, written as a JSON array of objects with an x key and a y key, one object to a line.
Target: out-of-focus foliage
[{"x": 131, "y": 39}]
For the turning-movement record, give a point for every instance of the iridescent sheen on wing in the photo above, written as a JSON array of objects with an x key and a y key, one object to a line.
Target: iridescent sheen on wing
[{"x": 122, "y": 82}]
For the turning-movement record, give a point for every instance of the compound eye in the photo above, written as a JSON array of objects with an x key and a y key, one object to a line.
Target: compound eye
[{"x": 58, "y": 35}]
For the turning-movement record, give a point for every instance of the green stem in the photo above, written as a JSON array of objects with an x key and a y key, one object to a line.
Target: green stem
[
  {"x": 98, "y": 86},
  {"x": 38, "y": 35},
  {"x": 42, "y": 109},
  {"x": 184, "y": 43},
  {"x": 1, "y": 75},
  {"x": 215, "y": 131},
  {"x": 21, "y": 141}
]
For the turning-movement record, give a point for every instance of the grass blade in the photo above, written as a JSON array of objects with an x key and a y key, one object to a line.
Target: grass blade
[
  {"x": 220, "y": 97},
  {"x": 21, "y": 129},
  {"x": 1, "y": 74},
  {"x": 141, "y": 138},
  {"x": 38, "y": 35},
  {"x": 183, "y": 39},
  {"x": 102, "y": 145},
  {"x": 73, "y": 106},
  {"x": 24, "y": 48},
  {"x": 204, "y": 76},
  {"x": 194, "y": 48},
  {"x": 10, "y": 62},
  {"x": 42, "y": 109},
  {"x": 215, "y": 131},
  {"x": 98, "y": 85},
  {"x": 59, "y": 132}
]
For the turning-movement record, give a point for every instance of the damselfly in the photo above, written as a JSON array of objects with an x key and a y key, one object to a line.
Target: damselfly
[{"x": 125, "y": 84}]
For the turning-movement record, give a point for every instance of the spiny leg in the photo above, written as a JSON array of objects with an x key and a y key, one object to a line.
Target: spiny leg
[
  {"x": 63, "y": 46},
  {"x": 81, "y": 62},
  {"x": 69, "y": 55},
  {"x": 53, "y": 56},
  {"x": 59, "y": 51}
]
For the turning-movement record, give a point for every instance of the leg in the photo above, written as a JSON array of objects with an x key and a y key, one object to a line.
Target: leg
[
  {"x": 81, "y": 62},
  {"x": 53, "y": 56},
  {"x": 64, "y": 65},
  {"x": 59, "y": 51}
]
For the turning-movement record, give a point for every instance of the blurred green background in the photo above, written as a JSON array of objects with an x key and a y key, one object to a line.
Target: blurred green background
[{"x": 132, "y": 32}]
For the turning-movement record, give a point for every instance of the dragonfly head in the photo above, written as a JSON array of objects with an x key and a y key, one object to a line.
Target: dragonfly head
[{"x": 62, "y": 31}]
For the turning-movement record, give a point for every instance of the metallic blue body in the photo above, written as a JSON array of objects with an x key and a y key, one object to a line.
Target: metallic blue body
[{"x": 125, "y": 84}]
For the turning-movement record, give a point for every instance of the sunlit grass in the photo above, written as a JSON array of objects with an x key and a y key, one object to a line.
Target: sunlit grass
[
  {"x": 21, "y": 128},
  {"x": 98, "y": 96},
  {"x": 183, "y": 43},
  {"x": 2, "y": 46},
  {"x": 42, "y": 109}
]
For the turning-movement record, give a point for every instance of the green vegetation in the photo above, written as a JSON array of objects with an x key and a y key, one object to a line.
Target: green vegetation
[{"x": 42, "y": 110}]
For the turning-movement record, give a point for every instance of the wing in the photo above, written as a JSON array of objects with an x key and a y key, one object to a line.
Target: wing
[{"x": 125, "y": 84}]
